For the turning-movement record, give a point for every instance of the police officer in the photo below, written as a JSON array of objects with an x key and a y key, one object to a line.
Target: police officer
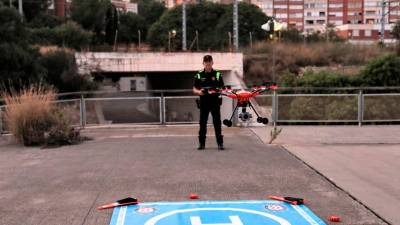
[{"x": 206, "y": 80}]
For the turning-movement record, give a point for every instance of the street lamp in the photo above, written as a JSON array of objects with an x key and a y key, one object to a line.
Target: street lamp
[{"x": 171, "y": 35}]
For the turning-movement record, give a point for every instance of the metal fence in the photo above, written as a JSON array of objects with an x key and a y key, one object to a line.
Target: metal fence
[{"x": 287, "y": 108}]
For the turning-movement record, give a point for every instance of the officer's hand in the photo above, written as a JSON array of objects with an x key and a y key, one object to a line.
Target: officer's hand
[
  {"x": 200, "y": 93},
  {"x": 204, "y": 91}
]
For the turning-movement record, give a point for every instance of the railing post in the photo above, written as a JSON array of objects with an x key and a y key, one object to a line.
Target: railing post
[
  {"x": 162, "y": 109},
  {"x": 274, "y": 113},
  {"x": 82, "y": 111},
  {"x": 1, "y": 120},
  {"x": 360, "y": 107}
]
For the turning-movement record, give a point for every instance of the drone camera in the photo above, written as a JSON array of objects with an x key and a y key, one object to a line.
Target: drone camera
[{"x": 245, "y": 116}]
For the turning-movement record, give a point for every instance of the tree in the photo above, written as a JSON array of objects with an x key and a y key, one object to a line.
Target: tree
[
  {"x": 12, "y": 29},
  {"x": 33, "y": 9},
  {"x": 251, "y": 18},
  {"x": 212, "y": 21},
  {"x": 151, "y": 11},
  {"x": 129, "y": 25},
  {"x": 396, "y": 30},
  {"x": 292, "y": 35},
  {"x": 330, "y": 33},
  {"x": 72, "y": 35},
  {"x": 19, "y": 65},
  {"x": 112, "y": 20},
  {"x": 46, "y": 20},
  {"x": 18, "y": 59},
  {"x": 92, "y": 16},
  {"x": 396, "y": 34},
  {"x": 62, "y": 72}
]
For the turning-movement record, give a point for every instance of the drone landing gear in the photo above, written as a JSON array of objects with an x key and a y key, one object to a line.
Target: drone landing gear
[
  {"x": 245, "y": 115},
  {"x": 227, "y": 122},
  {"x": 263, "y": 120}
]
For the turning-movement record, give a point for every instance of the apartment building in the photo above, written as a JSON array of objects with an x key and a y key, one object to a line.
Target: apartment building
[
  {"x": 352, "y": 19},
  {"x": 315, "y": 15},
  {"x": 60, "y": 7},
  {"x": 172, "y": 3}
]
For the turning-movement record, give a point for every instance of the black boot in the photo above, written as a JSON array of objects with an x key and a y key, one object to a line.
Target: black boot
[
  {"x": 202, "y": 143},
  {"x": 220, "y": 142}
]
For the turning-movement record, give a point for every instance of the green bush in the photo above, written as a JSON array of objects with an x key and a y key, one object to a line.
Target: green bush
[
  {"x": 33, "y": 119},
  {"x": 383, "y": 71}
]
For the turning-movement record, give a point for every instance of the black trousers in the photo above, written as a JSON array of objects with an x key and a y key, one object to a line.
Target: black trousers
[{"x": 205, "y": 108}]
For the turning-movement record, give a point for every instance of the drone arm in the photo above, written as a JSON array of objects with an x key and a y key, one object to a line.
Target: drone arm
[
  {"x": 251, "y": 106},
  {"x": 233, "y": 113}
]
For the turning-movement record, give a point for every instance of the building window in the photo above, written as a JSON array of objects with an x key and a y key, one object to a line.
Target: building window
[
  {"x": 308, "y": 13},
  {"x": 280, "y": 6},
  {"x": 296, "y": 15},
  {"x": 333, "y": 14},
  {"x": 354, "y": 5},
  {"x": 320, "y": 5},
  {"x": 321, "y": 13},
  {"x": 368, "y": 33},
  {"x": 335, "y": 5},
  {"x": 309, "y": 21},
  {"x": 354, "y": 14},
  {"x": 356, "y": 33},
  {"x": 338, "y": 22},
  {"x": 267, "y": 5},
  {"x": 281, "y": 15},
  {"x": 295, "y": 7},
  {"x": 370, "y": 13},
  {"x": 370, "y": 4},
  {"x": 320, "y": 21}
]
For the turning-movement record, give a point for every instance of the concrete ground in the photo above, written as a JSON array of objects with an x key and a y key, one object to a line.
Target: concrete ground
[
  {"x": 65, "y": 185},
  {"x": 363, "y": 161}
]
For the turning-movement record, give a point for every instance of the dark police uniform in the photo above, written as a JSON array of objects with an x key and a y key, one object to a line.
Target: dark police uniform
[{"x": 209, "y": 103}]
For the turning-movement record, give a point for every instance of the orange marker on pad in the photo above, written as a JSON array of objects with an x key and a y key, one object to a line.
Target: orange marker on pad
[
  {"x": 291, "y": 200},
  {"x": 122, "y": 202}
]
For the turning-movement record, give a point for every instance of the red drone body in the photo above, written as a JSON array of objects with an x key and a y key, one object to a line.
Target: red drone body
[{"x": 243, "y": 100}]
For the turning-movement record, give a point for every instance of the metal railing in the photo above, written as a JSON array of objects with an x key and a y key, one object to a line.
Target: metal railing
[{"x": 356, "y": 108}]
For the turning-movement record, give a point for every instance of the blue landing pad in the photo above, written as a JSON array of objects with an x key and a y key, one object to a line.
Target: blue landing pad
[{"x": 215, "y": 213}]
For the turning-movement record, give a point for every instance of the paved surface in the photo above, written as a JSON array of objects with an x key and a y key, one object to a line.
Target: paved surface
[
  {"x": 364, "y": 161},
  {"x": 65, "y": 185}
]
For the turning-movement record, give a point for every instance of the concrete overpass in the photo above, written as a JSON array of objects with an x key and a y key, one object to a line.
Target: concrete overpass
[{"x": 132, "y": 66}]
